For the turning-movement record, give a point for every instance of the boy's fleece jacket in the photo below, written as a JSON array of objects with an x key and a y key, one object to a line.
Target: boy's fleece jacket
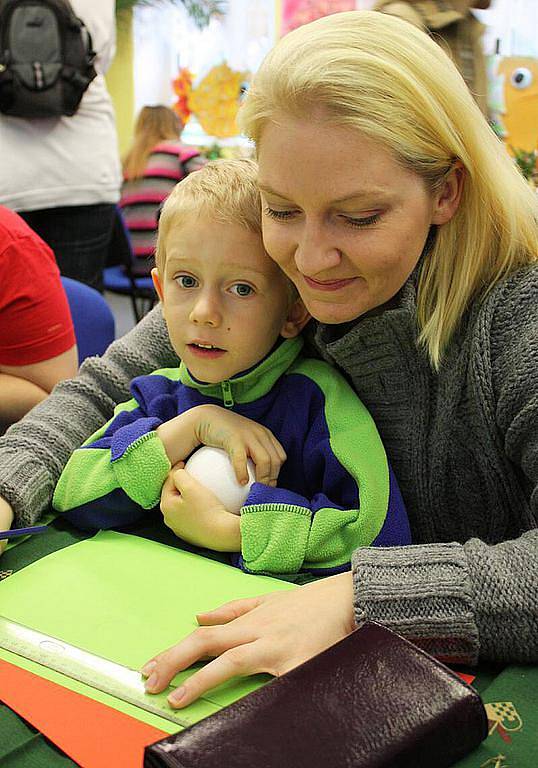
[{"x": 335, "y": 491}]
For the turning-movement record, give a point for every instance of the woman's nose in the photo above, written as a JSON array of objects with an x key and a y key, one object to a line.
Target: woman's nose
[
  {"x": 206, "y": 311},
  {"x": 315, "y": 253}
]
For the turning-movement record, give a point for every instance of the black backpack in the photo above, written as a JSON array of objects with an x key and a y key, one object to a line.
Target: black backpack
[{"x": 46, "y": 58}]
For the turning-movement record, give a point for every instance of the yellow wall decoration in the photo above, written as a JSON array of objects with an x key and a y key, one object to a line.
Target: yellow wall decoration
[
  {"x": 215, "y": 101},
  {"x": 520, "y": 118}
]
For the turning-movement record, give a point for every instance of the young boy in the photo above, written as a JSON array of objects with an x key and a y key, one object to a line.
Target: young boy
[{"x": 235, "y": 320}]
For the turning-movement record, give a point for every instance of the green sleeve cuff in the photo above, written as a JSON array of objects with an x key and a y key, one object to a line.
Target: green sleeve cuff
[
  {"x": 274, "y": 537},
  {"x": 142, "y": 470}
]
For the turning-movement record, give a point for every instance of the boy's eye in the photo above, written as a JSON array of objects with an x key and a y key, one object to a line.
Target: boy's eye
[
  {"x": 186, "y": 281},
  {"x": 242, "y": 289}
]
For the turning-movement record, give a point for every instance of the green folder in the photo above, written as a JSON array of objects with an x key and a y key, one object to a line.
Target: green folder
[{"x": 127, "y": 598}]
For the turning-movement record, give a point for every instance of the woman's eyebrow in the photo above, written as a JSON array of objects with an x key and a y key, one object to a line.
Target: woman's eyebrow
[{"x": 378, "y": 192}]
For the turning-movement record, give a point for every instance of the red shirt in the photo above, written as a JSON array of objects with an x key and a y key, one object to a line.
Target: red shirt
[{"x": 35, "y": 322}]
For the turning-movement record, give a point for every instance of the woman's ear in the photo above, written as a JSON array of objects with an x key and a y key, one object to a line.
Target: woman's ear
[
  {"x": 296, "y": 319},
  {"x": 447, "y": 199},
  {"x": 157, "y": 283}
]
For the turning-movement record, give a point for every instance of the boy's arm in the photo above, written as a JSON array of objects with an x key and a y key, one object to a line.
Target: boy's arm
[
  {"x": 126, "y": 457},
  {"x": 355, "y": 499},
  {"x": 35, "y": 450}
]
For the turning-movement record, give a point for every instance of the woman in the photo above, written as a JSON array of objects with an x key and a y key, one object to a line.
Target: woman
[
  {"x": 154, "y": 164},
  {"x": 413, "y": 241}
]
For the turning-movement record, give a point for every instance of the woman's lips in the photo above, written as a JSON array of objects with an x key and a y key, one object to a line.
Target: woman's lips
[{"x": 328, "y": 285}]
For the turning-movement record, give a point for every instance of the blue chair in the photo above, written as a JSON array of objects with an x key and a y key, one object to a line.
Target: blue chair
[
  {"x": 93, "y": 320},
  {"x": 120, "y": 278}
]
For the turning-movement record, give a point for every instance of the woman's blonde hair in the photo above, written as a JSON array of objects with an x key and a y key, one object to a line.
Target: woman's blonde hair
[
  {"x": 154, "y": 124},
  {"x": 226, "y": 190},
  {"x": 389, "y": 80}
]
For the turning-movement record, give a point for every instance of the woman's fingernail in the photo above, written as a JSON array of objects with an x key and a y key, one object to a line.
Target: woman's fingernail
[
  {"x": 148, "y": 668},
  {"x": 151, "y": 682},
  {"x": 176, "y": 696}
]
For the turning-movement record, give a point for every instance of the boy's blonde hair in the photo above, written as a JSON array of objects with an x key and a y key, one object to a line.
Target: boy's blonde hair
[
  {"x": 226, "y": 190},
  {"x": 384, "y": 77}
]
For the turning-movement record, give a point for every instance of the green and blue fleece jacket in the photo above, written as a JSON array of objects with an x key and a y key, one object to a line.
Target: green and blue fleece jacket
[{"x": 336, "y": 491}]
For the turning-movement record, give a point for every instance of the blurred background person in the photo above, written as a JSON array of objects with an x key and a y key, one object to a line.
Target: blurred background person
[
  {"x": 62, "y": 174},
  {"x": 153, "y": 165},
  {"x": 37, "y": 340}
]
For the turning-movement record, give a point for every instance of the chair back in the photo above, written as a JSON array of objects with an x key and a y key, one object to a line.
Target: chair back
[
  {"x": 121, "y": 276},
  {"x": 93, "y": 320}
]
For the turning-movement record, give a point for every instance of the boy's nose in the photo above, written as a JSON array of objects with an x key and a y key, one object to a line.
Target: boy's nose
[{"x": 205, "y": 312}]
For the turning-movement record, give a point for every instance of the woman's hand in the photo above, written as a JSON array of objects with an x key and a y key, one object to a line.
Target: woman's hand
[
  {"x": 272, "y": 633},
  {"x": 6, "y": 520},
  {"x": 196, "y": 515},
  {"x": 241, "y": 438}
]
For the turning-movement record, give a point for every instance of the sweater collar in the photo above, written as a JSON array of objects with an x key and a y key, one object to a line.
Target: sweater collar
[{"x": 249, "y": 385}]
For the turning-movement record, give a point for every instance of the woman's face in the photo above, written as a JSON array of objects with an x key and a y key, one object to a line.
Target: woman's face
[{"x": 340, "y": 216}]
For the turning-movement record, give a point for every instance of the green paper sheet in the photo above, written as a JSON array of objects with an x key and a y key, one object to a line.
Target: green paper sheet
[{"x": 126, "y": 598}]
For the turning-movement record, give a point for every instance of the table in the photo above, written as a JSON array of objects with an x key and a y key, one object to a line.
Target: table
[{"x": 510, "y": 693}]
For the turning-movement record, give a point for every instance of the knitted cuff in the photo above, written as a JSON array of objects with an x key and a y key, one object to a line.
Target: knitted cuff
[
  {"x": 423, "y": 592},
  {"x": 26, "y": 485}
]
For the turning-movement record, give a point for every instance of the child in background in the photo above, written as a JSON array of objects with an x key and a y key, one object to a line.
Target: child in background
[
  {"x": 243, "y": 385},
  {"x": 152, "y": 167}
]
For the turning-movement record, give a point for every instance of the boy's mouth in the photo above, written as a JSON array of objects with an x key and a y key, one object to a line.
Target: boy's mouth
[{"x": 206, "y": 350}]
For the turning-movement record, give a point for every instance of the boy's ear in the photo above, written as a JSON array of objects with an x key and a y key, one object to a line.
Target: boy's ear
[
  {"x": 297, "y": 317},
  {"x": 157, "y": 283}
]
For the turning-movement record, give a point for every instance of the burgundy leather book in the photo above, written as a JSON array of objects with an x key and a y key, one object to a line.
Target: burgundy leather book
[{"x": 373, "y": 700}]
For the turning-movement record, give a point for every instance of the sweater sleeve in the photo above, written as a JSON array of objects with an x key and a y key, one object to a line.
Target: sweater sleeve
[
  {"x": 120, "y": 470},
  {"x": 474, "y": 600},
  {"x": 353, "y": 497},
  {"x": 34, "y": 451}
]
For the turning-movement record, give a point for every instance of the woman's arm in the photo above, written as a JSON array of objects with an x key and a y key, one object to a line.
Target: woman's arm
[
  {"x": 23, "y": 386},
  {"x": 34, "y": 451},
  {"x": 476, "y": 600}
]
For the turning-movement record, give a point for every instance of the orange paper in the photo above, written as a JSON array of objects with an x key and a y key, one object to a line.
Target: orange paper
[
  {"x": 465, "y": 677},
  {"x": 92, "y": 734}
]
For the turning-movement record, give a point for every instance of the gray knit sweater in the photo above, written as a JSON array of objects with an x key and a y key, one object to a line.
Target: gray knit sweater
[{"x": 463, "y": 443}]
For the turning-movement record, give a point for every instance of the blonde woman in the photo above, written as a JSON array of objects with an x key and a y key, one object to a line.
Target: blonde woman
[
  {"x": 413, "y": 241},
  {"x": 154, "y": 164}
]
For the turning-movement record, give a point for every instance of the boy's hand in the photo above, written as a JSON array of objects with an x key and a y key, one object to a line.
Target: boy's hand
[
  {"x": 242, "y": 439},
  {"x": 6, "y": 521},
  {"x": 196, "y": 515}
]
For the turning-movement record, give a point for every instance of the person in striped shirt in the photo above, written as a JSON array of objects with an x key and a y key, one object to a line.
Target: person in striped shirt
[{"x": 154, "y": 164}]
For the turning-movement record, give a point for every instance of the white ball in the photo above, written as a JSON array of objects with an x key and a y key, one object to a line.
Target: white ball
[{"x": 212, "y": 467}]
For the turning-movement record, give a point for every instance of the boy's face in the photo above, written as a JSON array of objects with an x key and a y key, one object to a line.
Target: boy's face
[{"x": 224, "y": 300}]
